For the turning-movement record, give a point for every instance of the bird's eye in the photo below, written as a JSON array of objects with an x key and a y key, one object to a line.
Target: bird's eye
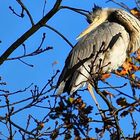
[{"x": 96, "y": 18}]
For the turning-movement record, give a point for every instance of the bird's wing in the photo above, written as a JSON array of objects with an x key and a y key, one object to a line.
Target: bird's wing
[{"x": 87, "y": 47}]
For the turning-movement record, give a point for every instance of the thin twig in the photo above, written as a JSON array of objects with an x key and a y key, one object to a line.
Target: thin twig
[
  {"x": 120, "y": 4},
  {"x": 21, "y": 129},
  {"x": 19, "y": 15},
  {"x": 34, "y": 53},
  {"x": 134, "y": 124},
  {"x": 80, "y": 11},
  {"x": 16, "y": 92},
  {"x": 122, "y": 93},
  {"x": 27, "y": 11},
  {"x": 61, "y": 35},
  {"x": 138, "y": 4},
  {"x": 129, "y": 105},
  {"x": 42, "y": 41},
  {"x": 9, "y": 117},
  {"x": 44, "y": 6},
  {"x": 30, "y": 65},
  {"x": 114, "y": 87},
  {"x": 111, "y": 109},
  {"x": 30, "y": 32}
]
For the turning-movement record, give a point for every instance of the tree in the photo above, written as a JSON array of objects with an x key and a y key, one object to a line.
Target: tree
[{"x": 66, "y": 116}]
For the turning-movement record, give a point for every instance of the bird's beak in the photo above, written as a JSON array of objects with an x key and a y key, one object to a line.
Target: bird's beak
[
  {"x": 86, "y": 31},
  {"x": 96, "y": 22}
]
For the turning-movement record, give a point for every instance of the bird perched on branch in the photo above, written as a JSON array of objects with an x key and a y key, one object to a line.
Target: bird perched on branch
[{"x": 102, "y": 47}]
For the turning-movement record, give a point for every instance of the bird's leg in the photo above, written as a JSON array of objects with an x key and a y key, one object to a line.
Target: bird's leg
[
  {"x": 89, "y": 87},
  {"x": 92, "y": 94}
]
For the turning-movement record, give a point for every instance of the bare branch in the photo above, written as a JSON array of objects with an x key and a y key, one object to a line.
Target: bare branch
[
  {"x": 30, "y": 32},
  {"x": 27, "y": 11},
  {"x": 62, "y": 36},
  {"x": 80, "y": 11},
  {"x": 9, "y": 117},
  {"x": 44, "y": 8},
  {"x": 120, "y": 4}
]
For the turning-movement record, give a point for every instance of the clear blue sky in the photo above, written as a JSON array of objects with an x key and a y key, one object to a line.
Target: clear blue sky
[{"x": 17, "y": 75}]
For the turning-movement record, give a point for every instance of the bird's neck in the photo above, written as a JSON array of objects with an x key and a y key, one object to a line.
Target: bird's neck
[
  {"x": 132, "y": 25},
  {"x": 130, "y": 22}
]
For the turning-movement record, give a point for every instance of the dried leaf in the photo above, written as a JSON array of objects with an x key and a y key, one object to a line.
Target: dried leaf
[
  {"x": 121, "y": 72},
  {"x": 122, "y": 102},
  {"x": 135, "y": 12},
  {"x": 54, "y": 134},
  {"x": 83, "y": 106},
  {"x": 90, "y": 139},
  {"x": 71, "y": 100},
  {"x": 54, "y": 63},
  {"x": 127, "y": 65},
  {"x": 105, "y": 76},
  {"x": 40, "y": 126},
  {"x": 138, "y": 55},
  {"x": 88, "y": 109},
  {"x": 78, "y": 101},
  {"x": 124, "y": 113}
]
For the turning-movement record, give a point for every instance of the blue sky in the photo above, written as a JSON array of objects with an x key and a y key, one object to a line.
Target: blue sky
[{"x": 70, "y": 24}]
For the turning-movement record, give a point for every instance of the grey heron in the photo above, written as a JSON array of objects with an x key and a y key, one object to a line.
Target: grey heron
[{"x": 114, "y": 33}]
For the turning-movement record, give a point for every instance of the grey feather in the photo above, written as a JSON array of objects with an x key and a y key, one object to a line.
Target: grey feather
[{"x": 117, "y": 39}]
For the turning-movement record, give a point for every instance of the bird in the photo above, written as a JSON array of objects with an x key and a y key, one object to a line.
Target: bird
[{"x": 103, "y": 46}]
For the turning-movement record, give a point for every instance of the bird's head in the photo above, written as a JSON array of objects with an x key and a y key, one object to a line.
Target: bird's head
[
  {"x": 96, "y": 18},
  {"x": 97, "y": 15}
]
